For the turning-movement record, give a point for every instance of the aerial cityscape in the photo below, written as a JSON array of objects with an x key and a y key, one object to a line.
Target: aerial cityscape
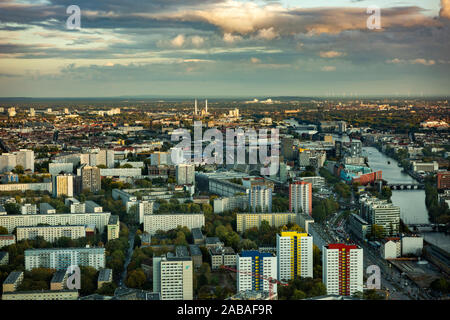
[{"x": 224, "y": 150}]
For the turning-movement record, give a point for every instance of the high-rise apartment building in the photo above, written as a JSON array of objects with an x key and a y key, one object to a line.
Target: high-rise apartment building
[
  {"x": 300, "y": 197},
  {"x": 294, "y": 255},
  {"x": 63, "y": 185},
  {"x": 342, "y": 272},
  {"x": 254, "y": 267},
  {"x": 173, "y": 277},
  {"x": 185, "y": 174},
  {"x": 90, "y": 179},
  {"x": 260, "y": 199}
]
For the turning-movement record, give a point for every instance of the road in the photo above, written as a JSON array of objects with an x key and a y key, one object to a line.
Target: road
[{"x": 131, "y": 235}]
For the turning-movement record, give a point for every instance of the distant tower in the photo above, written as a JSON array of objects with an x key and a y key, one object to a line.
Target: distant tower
[
  {"x": 206, "y": 106},
  {"x": 195, "y": 107}
]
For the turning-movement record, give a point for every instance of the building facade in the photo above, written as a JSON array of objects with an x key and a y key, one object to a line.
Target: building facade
[
  {"x": 294, "y": 255},
  {"x": 342, "y": 269}
]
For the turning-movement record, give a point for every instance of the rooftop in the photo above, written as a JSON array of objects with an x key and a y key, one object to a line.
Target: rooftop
[{"x": 12, "y": 277}]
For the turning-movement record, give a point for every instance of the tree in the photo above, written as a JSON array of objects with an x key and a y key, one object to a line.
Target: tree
[
  {"x": 3, "y": 230},
  {"x": 107, "y": 289},
  {"x": 18, "y": 169},
  {"x": 298, "y": 295},
  {"x": 136, "y": 279}
]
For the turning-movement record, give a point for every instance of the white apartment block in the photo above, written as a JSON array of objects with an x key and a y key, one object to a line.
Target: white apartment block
[
  {"x": 23, "y": 157},
  {"x": 51, "y": 233},
  {"x": 62, "y": 258},
  {"x": 100, "y": 220},
  {"x": 294, "y": 255},
  {"x": 230, "y": 203},
  {"x": 260, "y": 199},
  {"x": 300, "y": 197},
  {"x": 342, "y": 272},
  {"x": 166, "y": 222}
]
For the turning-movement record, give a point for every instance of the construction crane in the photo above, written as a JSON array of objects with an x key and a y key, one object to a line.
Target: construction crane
[{"x": 271, "y": 280}]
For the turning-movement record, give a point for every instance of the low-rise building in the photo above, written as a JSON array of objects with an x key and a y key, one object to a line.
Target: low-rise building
[
  {"x": 390, "y": 248},
  {"x": 104, "y": 276},
  {"x": 59, "y": 280},
  {"x": 222, "y": 256},
  {"x": 197, "y": 236},
  {"x": 42, "y": 295},
  {"x": 11, "y": 282},
  {"x": 196, "y": 254},
  {"x": 4, "y": 258},
  {"x": 7, "y": 239},
  {"x": 113, "y": 227},
  {"x": 245, "y": 221}
]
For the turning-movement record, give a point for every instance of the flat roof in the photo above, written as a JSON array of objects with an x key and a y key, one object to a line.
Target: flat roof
[
  {"x": 181, "y": 251},
  {"x": 195, "y": 250},
  {"x": 197, "y": 233}
]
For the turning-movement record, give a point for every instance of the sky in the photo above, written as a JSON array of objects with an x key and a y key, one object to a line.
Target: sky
[{"x": 224, "y": 48}]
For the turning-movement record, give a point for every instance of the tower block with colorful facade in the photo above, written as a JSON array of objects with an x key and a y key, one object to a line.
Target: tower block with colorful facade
[
  {"x": 342, "y": 269},
  {"x": 294, "y": 255}
]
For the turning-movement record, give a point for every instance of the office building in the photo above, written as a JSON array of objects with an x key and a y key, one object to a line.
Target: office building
[
  {"x": 443, "y": 180},
  {"x": 342, "y": 272},
  {"x": 62, "y": 258},
  {"x": 260, "y": 199},
  {"x": 381, "y": 213},
  {"x": 294, "y": 255},
  {"x": 173, "y": 277},
  {"x": 254, "y": 268},
  {"x": 300, "y": 197}
]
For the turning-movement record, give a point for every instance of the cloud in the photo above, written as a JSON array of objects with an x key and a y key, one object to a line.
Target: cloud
[
  {"x": 197, "y": 41},
  {"x": 328, "y": 68},
  {"x": 445, "y": 9},
  {"x": 267, "y": 34},
  {"x": 178, "y": 41},
  {"x": 421, "y": 61},
  {"x": 231, "y": 38},
  {"x": 331, "y": 54}
]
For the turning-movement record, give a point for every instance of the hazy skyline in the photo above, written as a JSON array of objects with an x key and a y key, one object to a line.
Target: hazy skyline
[{"x": 224, "y": 48}]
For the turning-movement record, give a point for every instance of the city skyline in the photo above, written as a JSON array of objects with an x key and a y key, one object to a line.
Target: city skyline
[{"x": 210, "y": 48}]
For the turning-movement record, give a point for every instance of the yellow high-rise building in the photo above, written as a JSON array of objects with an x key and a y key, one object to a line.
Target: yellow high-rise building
[{"x": 295, "y": 255}]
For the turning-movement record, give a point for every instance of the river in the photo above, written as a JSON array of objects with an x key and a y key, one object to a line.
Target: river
[{"x": 411, "y": 202}]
